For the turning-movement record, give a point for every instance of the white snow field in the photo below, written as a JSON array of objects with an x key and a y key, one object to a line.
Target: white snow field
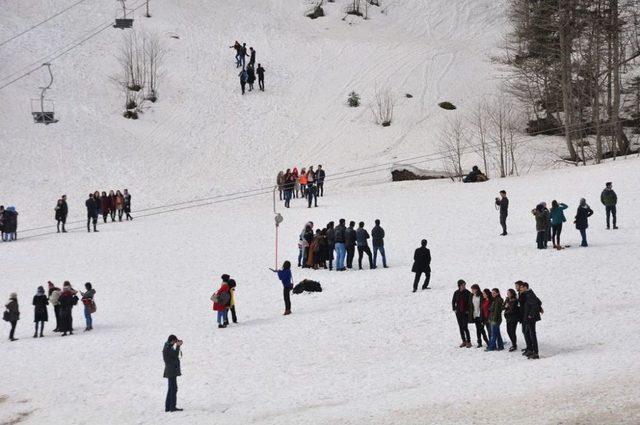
[{"x": 364, "y": 351}]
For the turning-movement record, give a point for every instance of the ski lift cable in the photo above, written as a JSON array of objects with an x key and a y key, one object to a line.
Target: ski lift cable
[
  {"x": 65, "y": 49},
  {"x": 31, "y": 28}
]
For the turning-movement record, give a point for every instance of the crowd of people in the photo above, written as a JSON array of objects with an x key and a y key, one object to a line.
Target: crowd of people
[
  {"x": 249, "y": 72},
  {"x": 8, "y": 223},
  {"x": 224, "y": 300},
  {"x": 304, "y": 184},
  {"x": 108, "y": 206},
  {"x": 63, "y": 300},
  {"x": 316, "y": 247},
  {"x": 486, "y": 308}
]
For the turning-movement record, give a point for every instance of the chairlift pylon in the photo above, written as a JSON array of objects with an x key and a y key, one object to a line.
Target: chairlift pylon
[
  {"x": 46, "y": 114},
  {"x": 122, "y": 20}
]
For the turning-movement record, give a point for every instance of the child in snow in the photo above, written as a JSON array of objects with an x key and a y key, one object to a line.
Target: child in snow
[
  {"x": 40, "y": 313},
  {"x": 221, "y": 300},
  {"x": 286, "y": 278}
]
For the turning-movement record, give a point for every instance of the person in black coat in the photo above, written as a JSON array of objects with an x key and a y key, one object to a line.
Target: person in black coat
[
  {"x": 62, "y": 210},
  {"x": 127, "y": 204},
  {"x": 92, "y": 213},
  {"x": 67, "y": 300},
  {"x": 503, "y": 204},
  {"x": 350, "y": 243},
  {"x": 377, "y": 239},
  {"x": 582, "y": 220},
  {"x": 531, "y": 307},
  {"x": 260, "y": 73},
  {"x": 421, "y": 264},
  {"x": 171, "y": 357},
  {"x": 462, "y": 305},
  {"x": 40, "y": 303},
  {"x": 13, "y": 314},
  {"x": 252, "y": 57},
  {"x": 251, "y": 76}
]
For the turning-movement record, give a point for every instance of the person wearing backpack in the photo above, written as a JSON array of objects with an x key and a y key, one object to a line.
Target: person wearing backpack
[
  {"x": 532, "y": 311},
  {"x": 286, "y": 278},
  {"x": 40, "y": 312},
  {"x": 221, "y": 300},
  {"x": 244, "y": 77},
  {"x": 12, "y": 314},
  {"x": 89, "y": 305}
]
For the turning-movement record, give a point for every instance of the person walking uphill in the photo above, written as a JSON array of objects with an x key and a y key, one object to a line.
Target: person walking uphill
[
  {"x": 363, "y": 246},
  {"x": 92, "y": 213},
  {"x": 171, "y": 357},
  {"x": 40, "y": 312},
  {"x": 609, "y": 199},
  {"x": 260, "y": 72},
  {"x": 463, "y": 307},
  {"x": 377, "y": 238},
  {"x": 421, "y": 264},
  {"x": 89, "y": 305},
  {"x": 582, "y": 220},
  {"x": 286, "y": 278},
  {"x": 503, "y": 205},
  {"x": 12, "y": 314}
]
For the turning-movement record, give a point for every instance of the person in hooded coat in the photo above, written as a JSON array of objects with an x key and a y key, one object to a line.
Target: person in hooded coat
[
  {"x": 13, "y": 314},
  {"x": 68, "y": 299},
  {"x": 221, "y": 301},
  {"x": 41, "y": 315},
  {"x": 582, "y": 220},
  {"x": 421, "y": 264}
]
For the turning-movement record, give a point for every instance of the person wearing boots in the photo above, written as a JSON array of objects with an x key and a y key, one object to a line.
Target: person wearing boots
[
  {"x": 232, "y": 306},
  {"x": 171, "y": 358},
  {"x": 503, "y": 205},
  {"x": 40, "y": 312},
  {"x": 92, "y": 213},
  {"x": 463, "y": 308},
  {"x": 363, "y": 246},
  {"x": 286, "y": 278},
  {"x": 609, "y": 199},
  {"x": 421, "y": 264},
  {"x": 12, "y": 315}
]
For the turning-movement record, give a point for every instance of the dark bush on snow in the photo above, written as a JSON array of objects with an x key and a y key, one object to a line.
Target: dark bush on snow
[
  {"x": 317, "y": 12},
  {"x": 447, "y": 105},
  {"x": 133, "y": 115}
]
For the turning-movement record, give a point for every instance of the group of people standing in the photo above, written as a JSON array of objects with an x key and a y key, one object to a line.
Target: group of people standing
[
  {"x": 249, "y": 72},
  {"x": 224, "y": 300},
  {"x": 316, "y": 247},
  {"x": 8, "y": 223},
  {"x": 107, "y": 206},
  {"x": 306, "y": 184},
  {"x": 486, "y": 308},
  {"x": 63, "y": 300}
]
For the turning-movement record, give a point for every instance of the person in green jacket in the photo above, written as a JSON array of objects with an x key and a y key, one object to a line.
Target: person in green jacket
[
  {"x": 495, "y": 318},
  {"x": 609, "y": 199},
  {"x": 541, "y": 214},
  {"x": 557, "y": 218}
]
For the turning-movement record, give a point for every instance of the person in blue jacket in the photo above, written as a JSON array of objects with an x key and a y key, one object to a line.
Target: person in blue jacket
[
  {"x": 286, "y": 278},
  {"x": 557, "y": 218}
]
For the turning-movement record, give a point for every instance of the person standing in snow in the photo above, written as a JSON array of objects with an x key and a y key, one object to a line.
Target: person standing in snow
[
  {"x": 2, "y": 222},
  {"x": 289, "y": 184},
  {"x": 40, "y": 312},
  {"x": 89, "y": 305},
  {"x": 243, "y": 54},
  {"x": 485, "y": 306},
  {"x": 532, "y": 311},
  {"x": 67, "y": 300},
  {"x": 340, "y": 245},
  {"x": 260, "y": 73},
  {"x": 92, "y": 213},
  {"x": 286, "y": 278},
  {"x": 10, "y": 224},
  {"x": 127, "y": 204},
  {"x": 62, "y": 210},
  {"x": 421, "y": 264},
  {"x": 463, "y": 308},
  {"x": 244, "y": 76},
  {"x": 237, "y": 48},
  {"x": 541, "y": 214},
  {"x": 171, "y": 357},
  {"x": 320, "y": 176},
  {"x": 119, "y": 204},
  {"x": 111, "y": 202},
  {"x": 12, "y": 314},
  {"x": 350, "y": 239},
  {"x": 377, "y": 238},
  {"x": 252, "y": 57},
  {"x": 280, "y": 183},
  {"x": 312, "y": 194},
  {"x": 105, "y": 203},
  {"x": 331, "y": 243},
  {"x": 476, "y": 301},
  {"x": 363, "y": 246},
  {"x": 511, "y": 315},
  {"x": 54, "y": 296},
  {"x": 582, "y": 220},
  {"x": 221, "y": 300},
  {"x": 503, "y": 205},
  {"x": 557, "y": 218},
  {"x": 232, "y": 303},
  {"x": 495, "y": 342},
  {"x": 609, "y": 199},
  {"x": 251, "y": 76},
  {"x": 303, "y": 182}
]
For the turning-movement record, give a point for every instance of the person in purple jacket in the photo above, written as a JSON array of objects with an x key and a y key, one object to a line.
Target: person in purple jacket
[{"x": 286, "y": 278}]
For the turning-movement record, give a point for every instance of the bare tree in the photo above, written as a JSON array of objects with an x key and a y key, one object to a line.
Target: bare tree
[
  {"x": 453, "y": 142},
  {"x": 502, "y": 130},
  {"x": 383, "y": 107},
  {"x": 154, "y": 53},
  {"x": 479, "y": 122},
  {"x": 132, "y": 60}
]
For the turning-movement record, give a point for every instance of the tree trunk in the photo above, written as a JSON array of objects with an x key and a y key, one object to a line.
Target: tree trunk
[{"x": 565, "y": 58}]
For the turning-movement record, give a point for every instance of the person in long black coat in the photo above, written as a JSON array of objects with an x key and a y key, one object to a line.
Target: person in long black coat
[
  {"x": 92, "y": 213},
  {"x": 171, "y": 357},
  {"x": 41, "y": 315},
  {"x": 251, "y": 76},
  {"x": 67, "y": 300},
  {"x": 421, "y": 264}
]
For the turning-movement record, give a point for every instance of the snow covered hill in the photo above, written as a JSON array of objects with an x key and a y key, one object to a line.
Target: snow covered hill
[{"x": 366, "y": 350}]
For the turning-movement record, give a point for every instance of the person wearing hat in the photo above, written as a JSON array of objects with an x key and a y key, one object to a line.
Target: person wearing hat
[
  {"x": 171, "y": 357},
  {"x": 609, "y": 199},
  {"x": 54, "y": 296},
  {"x": 421, "y": 264},
  {"x": 40, "y": 312},
  {"x": 12, "y": 314}
]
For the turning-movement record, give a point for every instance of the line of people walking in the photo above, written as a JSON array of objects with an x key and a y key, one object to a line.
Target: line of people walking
[
  {"x": 486, "y": 308},
  {"x": 63, "y": 300},
  {"x": 305, "y": 184},
  {"x": 8, "y": 224},
  {"x": 108, "y": 206},
  {"x": 249, "y": 72}
]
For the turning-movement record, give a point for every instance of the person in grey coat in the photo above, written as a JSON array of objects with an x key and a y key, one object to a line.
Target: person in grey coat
[
  {"x": 363, "y": 246},
  {"x": 171, "y": 357},
  {"x": 377, "y": 237}
]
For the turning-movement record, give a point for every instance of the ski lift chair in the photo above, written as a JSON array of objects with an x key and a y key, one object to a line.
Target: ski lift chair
[
  {"x": 124, "y": 18},
  {"x": 46, "y": 114}
]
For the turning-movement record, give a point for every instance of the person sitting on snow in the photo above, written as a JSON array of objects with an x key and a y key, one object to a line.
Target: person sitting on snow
[{"x": 475, "y": 176}]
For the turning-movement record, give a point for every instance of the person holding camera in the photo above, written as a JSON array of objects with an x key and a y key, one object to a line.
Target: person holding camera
[
  {"x": 502, "y": 203},
  {"x": 171, "y": 356}
]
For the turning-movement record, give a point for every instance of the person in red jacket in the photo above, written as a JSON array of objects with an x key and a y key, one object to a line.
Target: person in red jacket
[
  {"x": 486, "y": 303},
  {"x": 221, "y": 301}
]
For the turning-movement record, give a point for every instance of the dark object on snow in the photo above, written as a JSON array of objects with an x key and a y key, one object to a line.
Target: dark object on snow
[
  {"x": 447, "y": 105},
  {"x": 317, "y": 12},
  {"x": 408, "y": 96},
  {"x": 308, "y": 286},
  {"x": 403, "y": 174},
  {"x": 547, "y": 125}
]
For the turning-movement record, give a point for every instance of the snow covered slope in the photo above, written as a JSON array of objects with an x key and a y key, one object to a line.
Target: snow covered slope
[{"x": 366, "y": 350}]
